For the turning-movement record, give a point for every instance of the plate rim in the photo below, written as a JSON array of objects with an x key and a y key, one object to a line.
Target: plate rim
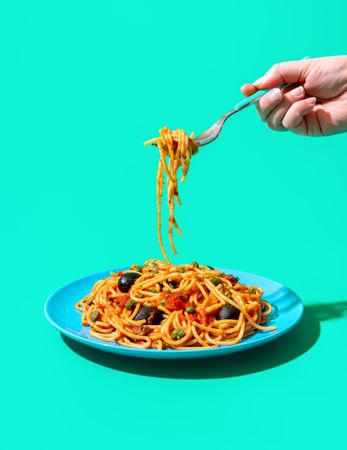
[{"x": 117, "y": 349}]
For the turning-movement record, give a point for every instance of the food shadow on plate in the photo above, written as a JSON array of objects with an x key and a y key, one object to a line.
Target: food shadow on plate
[{"x": 275, "y": 353}]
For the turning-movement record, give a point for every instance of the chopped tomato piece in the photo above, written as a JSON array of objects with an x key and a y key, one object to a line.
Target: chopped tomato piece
[
  {"x": 176, "y": 302},
  {"x": 121, "y": 301},
  {"x": 194, "y": 318}
]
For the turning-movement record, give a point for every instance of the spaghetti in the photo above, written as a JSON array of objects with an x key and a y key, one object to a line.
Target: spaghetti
[
  {"x": 179, "y": 148},
  {"x": 161, "y": 306}
]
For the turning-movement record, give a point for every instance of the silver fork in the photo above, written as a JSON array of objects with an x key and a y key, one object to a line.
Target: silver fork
[{"x": 213, "y": 132}]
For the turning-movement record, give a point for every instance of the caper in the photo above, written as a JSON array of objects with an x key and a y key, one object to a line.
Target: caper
[
  {"x": 130, "y": 304},
  {"x": 215, "y": 281},
  {"x": 94, "y": 315},
  {"x": 178, "y": 334}
]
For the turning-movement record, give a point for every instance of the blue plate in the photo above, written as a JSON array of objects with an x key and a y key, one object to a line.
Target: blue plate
[{"x": 61, "y": 313}]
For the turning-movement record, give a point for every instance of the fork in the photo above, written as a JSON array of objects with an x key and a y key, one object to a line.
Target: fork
[{"x": 213, "y": 132}]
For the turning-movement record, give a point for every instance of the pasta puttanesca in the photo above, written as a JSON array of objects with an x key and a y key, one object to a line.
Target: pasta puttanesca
[{"x": 161, "y": 306}]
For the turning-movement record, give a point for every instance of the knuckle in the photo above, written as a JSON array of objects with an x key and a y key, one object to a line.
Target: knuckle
[
  {"x": 287, "y": 124},
  {"x": 262, "y": 103},
  {"x": 276, "y": 68},
  {"x": 260, "y": 113},
  {"x": 271, "y": 125},
  {"x": 265, "y": 103}
]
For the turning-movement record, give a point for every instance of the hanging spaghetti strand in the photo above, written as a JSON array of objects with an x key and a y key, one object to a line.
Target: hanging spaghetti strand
[{"x": 178, "y": 148}]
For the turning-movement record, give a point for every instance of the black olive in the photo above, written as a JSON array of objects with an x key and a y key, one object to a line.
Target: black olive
[
  {"x": 127, "y": 280},
  {"x": 158, "y": 317},
  {"x": 144, "y": 313},
  {"x": 228, "y": 312},
  {"x": 173, "y": 284},
  {"x": 210, "y": 267}
]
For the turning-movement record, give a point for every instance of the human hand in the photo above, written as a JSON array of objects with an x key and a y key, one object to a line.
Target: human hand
[{"x": 317, "y": 103}]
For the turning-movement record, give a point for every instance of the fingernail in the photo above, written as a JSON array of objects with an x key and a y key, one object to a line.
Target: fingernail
[
  {"x": 311, "y": 101},
  {"x": 275, "y": 95},
  {"x": 297, "y": 92},
  {"x": 260, "y": 81}
]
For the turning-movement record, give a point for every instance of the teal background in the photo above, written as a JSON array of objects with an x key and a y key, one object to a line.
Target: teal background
[{"x": 83, "y": 84}]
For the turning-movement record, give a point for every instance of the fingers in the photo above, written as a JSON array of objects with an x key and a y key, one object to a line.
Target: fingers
[
  {"x": 248, "y": 89},
  {"x": 275, "y": 118},
  {"x": 287, "y": 72},
  {"x": 294, "y": 118},
  {"x": 268, "y": 102}
]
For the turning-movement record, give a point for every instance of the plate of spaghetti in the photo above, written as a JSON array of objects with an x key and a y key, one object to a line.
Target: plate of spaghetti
[{"x": 161, "y": 310}]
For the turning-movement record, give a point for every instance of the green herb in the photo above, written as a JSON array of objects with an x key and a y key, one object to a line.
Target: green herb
[
  {"x": 94, "y": 315},
  {"x": 130, "y": 304},
  {"x": 195, "y": 264},
  {"x": 215, "y": 281},
  {"x": 252, "y": 291},
  {"x": 237, "y": 279},
  {"x": 138, "y": 268},
  {"x": 163, "y": 303},
  {"x": 182, "y": 269},
  {"x": 154, "y": 291},
  {"x": 166, "y": 290},
  {"x": 178, "y": 334},
  {"x": 140, "y": 296},
  {"x": 140, "y": 286},
  {"x": 154, "y": 265},
  {"x": 190, "y": 309},
  {"x": 145, "y": 304},
  {"x": 154, "y": 271}
]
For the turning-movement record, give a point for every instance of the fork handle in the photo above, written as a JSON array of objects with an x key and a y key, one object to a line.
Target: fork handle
[
  {"x": 257, "y": 96},
  {"x": 254, "y": 98}
]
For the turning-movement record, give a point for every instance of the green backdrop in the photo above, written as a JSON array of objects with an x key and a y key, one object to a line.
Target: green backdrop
[{"x": 83, "y": 84}]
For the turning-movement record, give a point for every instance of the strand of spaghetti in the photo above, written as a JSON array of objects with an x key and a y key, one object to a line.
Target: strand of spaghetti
[
  {"x": 128, "y": 343},
  {"x": 163, "y": 161},
  {"x": 198, "y": 338},
  {"x": 126, "y": 332},
  {"x": 256, "y": 325},
  {"x": 109, "y": 338},
  {"x": 231, "y": 342},
  {"x": 160, "y": 183}
]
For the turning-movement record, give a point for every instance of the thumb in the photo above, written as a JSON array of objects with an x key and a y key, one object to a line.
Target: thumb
[{"x": 287, "y": 72}]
